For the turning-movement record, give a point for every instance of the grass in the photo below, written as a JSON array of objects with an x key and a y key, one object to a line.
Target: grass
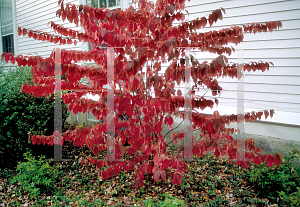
[{"x": 208, "y": 182}]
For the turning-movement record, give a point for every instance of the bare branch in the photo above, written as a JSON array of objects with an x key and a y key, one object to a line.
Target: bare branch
[{"x": 173, "y": 129}]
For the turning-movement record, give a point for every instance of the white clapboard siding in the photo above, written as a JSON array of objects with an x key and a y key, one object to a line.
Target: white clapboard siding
[
  {"x": 35, "y": 15},
  {"x": 278, "y": 88}
]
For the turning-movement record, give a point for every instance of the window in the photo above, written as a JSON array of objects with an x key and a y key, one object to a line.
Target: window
[
  {"x": 110, "y": 4},
  {"x": 6, "y": 26}
]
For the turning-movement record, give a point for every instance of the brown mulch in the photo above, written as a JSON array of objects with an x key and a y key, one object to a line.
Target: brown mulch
[{"x": 228, "y": 183}]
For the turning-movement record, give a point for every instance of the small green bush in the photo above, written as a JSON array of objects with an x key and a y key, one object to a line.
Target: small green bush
[
  {"x": 173, "y": 202},
  {"x": 36, "y": 176},
  {"x": 20, "y": 114},
  {"x": 169, "y": 201},
  {"x": 279, "y": 184}
]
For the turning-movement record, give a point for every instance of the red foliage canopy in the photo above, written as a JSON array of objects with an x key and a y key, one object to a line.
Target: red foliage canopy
[{"x": 141, "y": 35}]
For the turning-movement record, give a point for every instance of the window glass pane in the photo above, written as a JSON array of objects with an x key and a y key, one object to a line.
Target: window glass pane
[
  {"x": 6, "y": 17},
  {"x": 103, "y": 4},
  {"x": 8, "y": 43},
  {"x": 6, "y": 26},
  {"x": 94, "y": 3},
  {"x": 112, "y": 3},
  {"x": 5, "y": 12}
]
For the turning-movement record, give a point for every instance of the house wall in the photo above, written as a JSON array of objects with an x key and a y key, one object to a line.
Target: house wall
[
  {"x": 277, "y": 88},
  {"x": 35, "y": 15}
]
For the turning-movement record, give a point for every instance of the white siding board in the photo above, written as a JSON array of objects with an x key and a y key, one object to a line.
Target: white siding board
[
  {"x": 30, "y": 45},
  {"x": 273, "y": 53},
  {"x": 211, "y": 5},
  {"x": 48, "y": 15},
  {"x": 286, "y": 23},
  {"x": 282, "y": 88},
  {"x": 273, "y": 44},
  {"x": 261, "y": 53},
  {"x": 275, "y": 35},
  {"x": 41, "y": 24},
  {"x": 262, "y": 96},
  {"x": 292, "y": 80},
  {"x": 232, "y": 9},
  {"x": 42, "y": 7},
  {"x": 277, "y": 70}
]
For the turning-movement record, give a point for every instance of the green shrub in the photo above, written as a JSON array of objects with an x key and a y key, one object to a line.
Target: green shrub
[
  {"x": 169, "y": 201},
  {"x": 20, "y": 114},
  {"x": 35, "y": 177},
  {"x": 173, "y": 202},
  {"x": 279, "y": 184}
]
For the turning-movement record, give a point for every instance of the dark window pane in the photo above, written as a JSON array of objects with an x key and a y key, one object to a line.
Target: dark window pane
[
  {"x": 95, "y": 3},
  {"x": 103, "y": 4},
  {"x": 112, "y": 3},
  {"x": 8, "y": 43}
]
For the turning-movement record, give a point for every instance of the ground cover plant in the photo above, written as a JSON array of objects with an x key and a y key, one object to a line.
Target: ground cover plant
[
  {"x": 143, "y": 35},
  {"x": 210, "y": 182}
]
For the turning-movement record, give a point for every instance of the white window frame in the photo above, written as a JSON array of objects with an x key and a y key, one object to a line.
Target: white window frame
[
  {"x": 13, "y": 6},
  {"x": 113, "y": 7}
]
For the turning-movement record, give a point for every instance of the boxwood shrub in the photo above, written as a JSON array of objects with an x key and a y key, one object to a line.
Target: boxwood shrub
[{"x": 21, "y": 114}]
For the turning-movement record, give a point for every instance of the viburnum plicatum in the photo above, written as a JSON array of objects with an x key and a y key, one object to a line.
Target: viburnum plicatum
[{"x": 138, "y": 36}]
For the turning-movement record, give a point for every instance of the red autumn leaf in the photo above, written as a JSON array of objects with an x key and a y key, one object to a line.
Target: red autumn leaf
[
  {"x": 272, "y": 112},
  {"x": 33, "y": 139},
  {"x": 184, "y": 43},
  {"x": 174, "y": 179},
  {"x": 210, "y": 128},
  {"x": 137, "y": 183},
  {"x": 7, "y": 56},
  {"x": 277, "y": 159},
  {"x": 95, "y": 150},
  {"x": 45, "y": 141},
  {"x": 148, "y": 151},
  {"x": 170, "y": 121},
  {"x": 12, "y": 59},
  {"x": 182, "y": 17},
  {"x": 263, "y": 158},
  {"x": 166, "y": 163},
  {"x": 3, "y": 56},
  {"x": 19, "y": 31},
  {"x": 24, "y": 31},
  {"x": 270, "y": 160},
  {"x": 266, "y": 114},
  {"x": 104, "y": 175},
  {"x": 51, "y": 141},
  {"x": 125, "y": 167},
  {"x": 156, "y": 176},
  {"x": 103, "y": 32},
  {"x": 223, "y": 10},
  {"x": 149, "y": 168},
  {"x": 179, "y": 179},
  {"x": 163, "y": 175},
  {"x": 216, "y": 153},
  {"x": 131, "y": 167}
]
